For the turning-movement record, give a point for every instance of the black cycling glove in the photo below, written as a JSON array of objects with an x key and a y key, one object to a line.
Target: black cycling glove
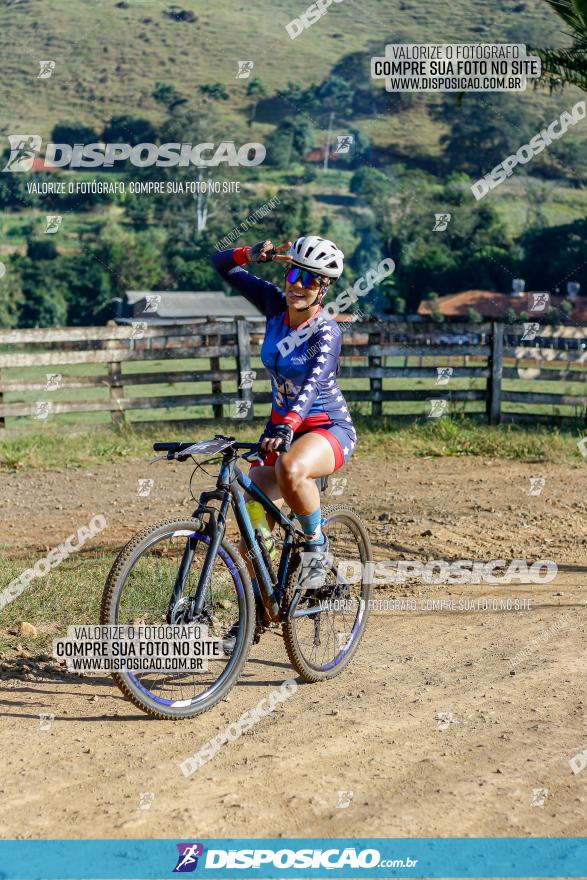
[
  {"x": 282, "y": 432},
  {"x": 262, "y": 252}
]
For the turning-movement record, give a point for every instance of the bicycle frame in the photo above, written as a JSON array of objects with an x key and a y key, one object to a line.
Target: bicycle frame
[{"x": 231, "y": 481}]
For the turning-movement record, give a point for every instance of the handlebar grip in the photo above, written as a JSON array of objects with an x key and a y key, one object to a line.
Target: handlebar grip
[{"x": 164, "y": 447}]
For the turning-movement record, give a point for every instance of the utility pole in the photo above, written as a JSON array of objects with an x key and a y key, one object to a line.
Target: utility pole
[{"x": 328, "y": 141}]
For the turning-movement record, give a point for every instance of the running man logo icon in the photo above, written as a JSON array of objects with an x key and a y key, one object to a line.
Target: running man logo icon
[
  {"x": 437, "y": 408},
  {"x": 240, "y": 409},
  {"x": 46, "y": 721},
  {"x": 24, "y": 149},
  {"x": 344, "y": 142},
  {"x": 144, "y": 487},
  {"x": 43, "y": 408},
  {"x": 187, "y": 861},
  {"x": 54, "y": 381},
  {"x": 540, "y": 795},
  {"x": 441, "y": 222},
  {"x": 47, "y": 68},
  {"x": 537, "y": 484},
  {"x": 530, "y": 332},
  {"x": 153, "y": 301},
  {"x": 53, "y": 223},
  {"x": 244, "y": 69},
  {"x": 247, "y": 378},
  {"x": 345, "y": 799},
  {"x": 138, "y": 329},
  {"x": 538, "y": 302},
  {"x": 443, "y": 375}
]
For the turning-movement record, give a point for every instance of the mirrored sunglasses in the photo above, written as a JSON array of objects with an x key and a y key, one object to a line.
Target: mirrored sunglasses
[{"x": 309, "y": 279}]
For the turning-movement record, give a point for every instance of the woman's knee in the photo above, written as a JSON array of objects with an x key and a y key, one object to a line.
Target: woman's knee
[{"x": 290, "y": 469}]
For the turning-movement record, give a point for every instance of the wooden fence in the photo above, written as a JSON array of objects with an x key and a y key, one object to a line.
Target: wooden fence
[{"x": 404, "y": 369}]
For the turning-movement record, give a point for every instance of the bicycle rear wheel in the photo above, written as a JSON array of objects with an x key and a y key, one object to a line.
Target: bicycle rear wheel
[
  {"x": 138, "y": 592},
  {"x": 323, "y": 628}
]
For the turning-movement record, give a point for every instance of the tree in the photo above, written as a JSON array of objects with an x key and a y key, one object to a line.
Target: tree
[
  {"x": 255, "y": 90},
  {"x": 166, "y": 94},
  {"x": 73, "y": 133},
  {"x": 11, "y": 298},
  {"x": 290, "y": 141},
  {"x": 216, "y": 90},
  {"x": 480, "y": 138},
  {"x": 568, "y": 65},
  {"x": 127, "y": 129},
  {"x": 474, "y": 316}
]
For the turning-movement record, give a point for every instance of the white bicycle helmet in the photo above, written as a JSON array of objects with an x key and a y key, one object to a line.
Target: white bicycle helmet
[{"x": 318, "y": 255}]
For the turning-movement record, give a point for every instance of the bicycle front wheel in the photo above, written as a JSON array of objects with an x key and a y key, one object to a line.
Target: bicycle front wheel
[
  {"x": 138, "y": 591},
  {"x": 323, "y": 627}
]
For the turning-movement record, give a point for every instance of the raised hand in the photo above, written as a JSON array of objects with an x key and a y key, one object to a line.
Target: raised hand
[{"x": 265, "y": 251}]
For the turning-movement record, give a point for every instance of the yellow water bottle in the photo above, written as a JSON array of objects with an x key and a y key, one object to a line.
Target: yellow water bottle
[{"x": 259, "y": 521}]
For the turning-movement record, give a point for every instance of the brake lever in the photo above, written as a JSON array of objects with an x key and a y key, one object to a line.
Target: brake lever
[{"x": 158, "y": 458}]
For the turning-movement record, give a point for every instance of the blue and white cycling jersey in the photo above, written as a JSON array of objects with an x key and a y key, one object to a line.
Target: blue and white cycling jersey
[{"x": 305, "y": 393}]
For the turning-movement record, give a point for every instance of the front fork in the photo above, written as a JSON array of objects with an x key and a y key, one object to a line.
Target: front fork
[{"x": 214, "y": 529}]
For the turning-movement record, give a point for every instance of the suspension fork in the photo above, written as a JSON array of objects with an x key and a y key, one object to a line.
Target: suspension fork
[{"x": 216, "y": 528}]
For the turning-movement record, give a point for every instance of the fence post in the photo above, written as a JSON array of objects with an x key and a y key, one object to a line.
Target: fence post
[
  {"x": 2, "y": 419},
  {"x": 375, "y": 382},
  {"x": 495, "y": 374},
  {"x": 217, "y": 408},
  {"x": 243, "y": 360},
  {"x": 115, "y": 389}
]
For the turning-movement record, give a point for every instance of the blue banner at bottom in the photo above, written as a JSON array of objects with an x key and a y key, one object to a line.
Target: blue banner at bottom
[{"x": 301, "y": 858}]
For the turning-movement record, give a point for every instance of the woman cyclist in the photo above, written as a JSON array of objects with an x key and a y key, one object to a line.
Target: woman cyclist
[{"x": 310, "y": 432}]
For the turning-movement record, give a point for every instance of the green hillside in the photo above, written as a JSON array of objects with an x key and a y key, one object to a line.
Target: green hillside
[{"x": 110, "y": 54}]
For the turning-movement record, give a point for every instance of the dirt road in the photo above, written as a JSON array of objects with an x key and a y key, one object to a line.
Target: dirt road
[{"x": 498, "y": 764}]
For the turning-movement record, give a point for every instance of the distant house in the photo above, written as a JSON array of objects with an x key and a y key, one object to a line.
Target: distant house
[
  {"x": 181, "y": 307},
  {"x": 492, "y": 305}
]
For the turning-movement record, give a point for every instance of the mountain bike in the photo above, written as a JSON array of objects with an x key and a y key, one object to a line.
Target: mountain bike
[{"x": 186, "y": 571}]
